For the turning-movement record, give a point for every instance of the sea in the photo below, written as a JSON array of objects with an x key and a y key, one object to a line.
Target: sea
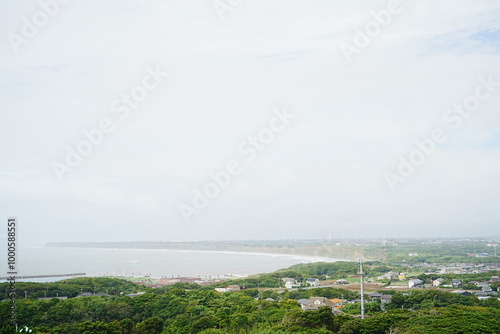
[{"x": 155, "y": 263}]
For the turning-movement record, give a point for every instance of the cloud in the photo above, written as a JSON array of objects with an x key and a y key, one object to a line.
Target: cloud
[{"x": 225, "y": 78}]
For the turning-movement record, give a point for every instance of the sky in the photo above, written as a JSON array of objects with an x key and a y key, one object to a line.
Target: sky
[{"x": 127, "y": 120}]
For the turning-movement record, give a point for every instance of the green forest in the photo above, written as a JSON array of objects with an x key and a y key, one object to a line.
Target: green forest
[
  {"x": 183, "y": 308},
  {"x": 262, "y": 306}
]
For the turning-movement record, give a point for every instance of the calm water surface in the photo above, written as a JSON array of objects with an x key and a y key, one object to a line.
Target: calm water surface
[{"x": 157, "y": 263}]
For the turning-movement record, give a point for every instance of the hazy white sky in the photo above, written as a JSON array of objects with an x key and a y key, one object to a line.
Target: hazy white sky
[{"x": 229, "y": 66}]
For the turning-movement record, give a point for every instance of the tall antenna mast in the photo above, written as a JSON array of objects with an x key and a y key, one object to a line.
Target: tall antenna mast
[{"x": 361, "y": 273}]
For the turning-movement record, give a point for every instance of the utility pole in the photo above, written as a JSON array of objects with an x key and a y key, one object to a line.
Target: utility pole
[{"x": 361, "y": 273}]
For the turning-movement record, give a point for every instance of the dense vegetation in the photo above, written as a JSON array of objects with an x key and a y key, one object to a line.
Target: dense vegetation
[
  {"x": 263, "y": 306},
  {"x": 320, "y": 270},
  {"x": 200, "y": 310},
  {"x": 479, "y": 277},
  {"x": 73, "y": 287}
]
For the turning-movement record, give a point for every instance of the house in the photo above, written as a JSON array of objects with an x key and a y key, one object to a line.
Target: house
[
  {"x": 312, "y": 281},
  {"x": 337, "y": 302},
  {"x": 302, "y": 302},
  {"x": 84, "y": 294},
  {"x": 486, "y": 288},
  {"x": 415, "y": 283},
  {"x": 437, "y": 282},
  {"x": 463, "y": 293},
  {"x": 482, "y": 295},
  {"x": 495, "y": 279},
  {"x": 341, "y": 281},
  {"x": 290, "y": 282},
  {"x": 375, "y": 295},
  {"x": 456, "y": 283},
  {"x": 313, "y": 303},
  {"x": 389, "y": 275},
  {"x": 386, "y": 299},
  {"x": 483, "y": 285}
]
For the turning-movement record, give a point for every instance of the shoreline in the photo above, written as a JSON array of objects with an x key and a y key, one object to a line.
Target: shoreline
[
  {"x": 158, "y": 263},
  {"x": 309, "y": 258}
]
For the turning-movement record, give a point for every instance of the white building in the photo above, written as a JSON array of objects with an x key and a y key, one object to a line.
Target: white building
[
  {"x": 312, "y": 281},
  {"x": 415, "y": 283}
]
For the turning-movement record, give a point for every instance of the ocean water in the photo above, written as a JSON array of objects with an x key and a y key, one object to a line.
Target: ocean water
[{"x": 154, "y": 262}]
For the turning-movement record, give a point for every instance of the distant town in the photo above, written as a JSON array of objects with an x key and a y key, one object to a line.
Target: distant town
[{"x": 394, "y": 285}]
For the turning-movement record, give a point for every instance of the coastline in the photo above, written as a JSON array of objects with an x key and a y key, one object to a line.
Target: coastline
[
  {"x": 248, "y": 250},
  {"x": 156, "y": 263},
  {"x": 307, "y": 258},
  {"x": 310, "y": 258}
]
